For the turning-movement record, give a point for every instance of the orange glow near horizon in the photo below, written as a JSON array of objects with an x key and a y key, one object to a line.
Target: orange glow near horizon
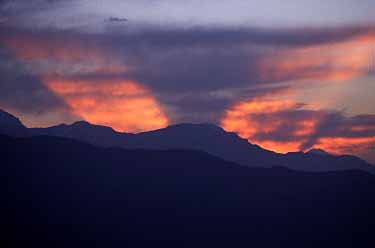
[
  {"x": 238, "y": 119},
  {"x": 344, "y": 145},
  {"x": 122, "y": 105}
]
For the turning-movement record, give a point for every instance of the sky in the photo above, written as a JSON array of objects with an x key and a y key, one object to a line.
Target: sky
[{"x": 286, "y": 75}]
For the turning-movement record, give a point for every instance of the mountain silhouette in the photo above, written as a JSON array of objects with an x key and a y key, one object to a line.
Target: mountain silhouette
[
  {"x": 11, "y": 125},
  {"x": 318, "y": 152},
  {"x": 208, "y": 138},
  {"x": 83, "y": 131},
  {"x": 61, "y": 192},
  {"x": 204, "y": 137}
]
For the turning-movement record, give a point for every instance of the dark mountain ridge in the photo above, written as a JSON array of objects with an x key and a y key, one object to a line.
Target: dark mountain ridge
[
  {"x": 11, "y": 125},
  {"x": 318, "y": 152},
  {"x": 83, "y": 131},
  {"x": 205, "y": 137}
]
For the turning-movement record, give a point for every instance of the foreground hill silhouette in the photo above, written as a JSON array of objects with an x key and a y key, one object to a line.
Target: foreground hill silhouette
[
  {"x": 63, "y": 193},
  {"x": 205, "y": 137}
]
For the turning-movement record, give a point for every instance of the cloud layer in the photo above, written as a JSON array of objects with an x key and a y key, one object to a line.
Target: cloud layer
[{"x": 144, "y": 77}]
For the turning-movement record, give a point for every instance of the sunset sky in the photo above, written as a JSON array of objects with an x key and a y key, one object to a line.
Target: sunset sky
[{"x": 286, "y": 75}]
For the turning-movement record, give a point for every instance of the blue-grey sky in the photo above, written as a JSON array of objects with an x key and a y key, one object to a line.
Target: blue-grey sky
[{"x": 187, "y": 13}]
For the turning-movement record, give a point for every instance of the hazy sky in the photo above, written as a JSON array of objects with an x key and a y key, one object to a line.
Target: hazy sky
[
  {"x": 287, "y": 75},
  {"x": 234, "y": 13}
]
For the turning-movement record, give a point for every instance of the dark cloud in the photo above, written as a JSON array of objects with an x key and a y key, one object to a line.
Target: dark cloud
[
  {"x": 208, "y": 105},
  {"x": 289, "y": 126},
  {"x": 228, "y": 37},
  {"x": 212, "y": 37},
  {"x": 285, "y": 124},
  {"x": 337, "y": 125},
  {"x": 24, "y": 9},
  {"x": 3, "y": 20},
  {"x": 117, "y": 19},
  {"x": 18, "y": 12},
  {"x": 22, "y": 91}
]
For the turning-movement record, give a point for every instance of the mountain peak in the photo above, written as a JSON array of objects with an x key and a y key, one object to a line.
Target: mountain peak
[
  {"x": 6, "y": 118},
  {"x": 196, "y": 126},
  {"x": 82, "y": 123},
  {"x": 11, "y": 125},
  {"x": 86, "y": 124},
  {"x": 318, "y": 152}
]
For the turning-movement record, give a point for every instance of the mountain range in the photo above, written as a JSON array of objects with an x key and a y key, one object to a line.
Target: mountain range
[{"x": 204, "y": 137}]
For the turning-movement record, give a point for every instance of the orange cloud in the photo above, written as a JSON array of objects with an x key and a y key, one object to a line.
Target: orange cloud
[
  {"x": 61, "y": 56},
  {"x": 333, "y": 61},
  {"x": 344, "y": 145},
  {"x": 363, "y": 147},
  {"x": 285, "y": 126},
  {"x": 123, "y": 105},
  {"x": 241, "y": 118}
]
